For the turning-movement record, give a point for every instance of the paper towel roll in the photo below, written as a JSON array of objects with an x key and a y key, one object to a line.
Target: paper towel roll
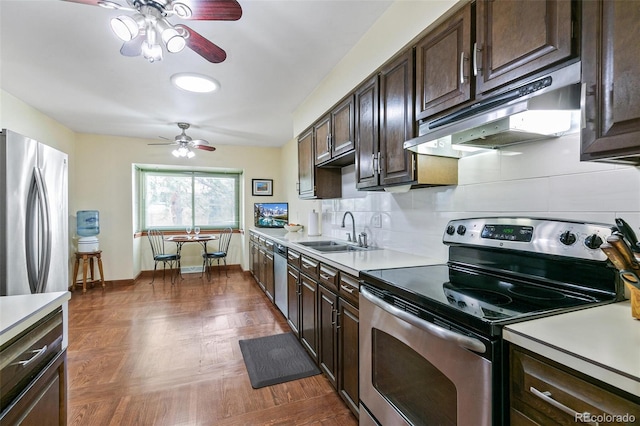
[{"x": 312, "y": 228}]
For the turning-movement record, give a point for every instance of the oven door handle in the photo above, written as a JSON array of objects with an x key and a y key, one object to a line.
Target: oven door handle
[{"x": 451, "y": 336}]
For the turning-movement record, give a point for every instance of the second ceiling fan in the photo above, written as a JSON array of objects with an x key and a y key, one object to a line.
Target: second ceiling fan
[
  {"x": 147, "y": 29},
  {"x": 184, "y": 143}
]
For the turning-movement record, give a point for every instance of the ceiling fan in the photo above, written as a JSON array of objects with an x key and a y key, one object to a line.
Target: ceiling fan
[
  {"x": 147, "y": 29},
  {"x": 184, "y": 143}
]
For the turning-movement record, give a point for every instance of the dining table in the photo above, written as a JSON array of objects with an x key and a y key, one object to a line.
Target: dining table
[{"x": 180, "y": 240}]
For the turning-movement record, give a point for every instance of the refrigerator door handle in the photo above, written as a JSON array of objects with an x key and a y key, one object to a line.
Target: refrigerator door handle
[{"x": 38, "y": 234}]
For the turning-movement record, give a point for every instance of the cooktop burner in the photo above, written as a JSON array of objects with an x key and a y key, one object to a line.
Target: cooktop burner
[{"x": 488, "y": 296}]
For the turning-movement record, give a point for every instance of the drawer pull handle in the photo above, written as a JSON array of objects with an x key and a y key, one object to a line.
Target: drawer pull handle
[
  {"x": 325, "y": 277},
  {"x": 347, "y": 289},
  {"x": 36, "y": 354},
  {"x": 546, "y": 397}
]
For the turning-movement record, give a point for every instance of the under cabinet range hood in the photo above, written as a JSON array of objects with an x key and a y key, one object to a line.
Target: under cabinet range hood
[{"x": 540, "y": 108}]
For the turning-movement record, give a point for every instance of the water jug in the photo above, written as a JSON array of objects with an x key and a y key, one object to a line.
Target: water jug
[{"x": 88, "y": 223}]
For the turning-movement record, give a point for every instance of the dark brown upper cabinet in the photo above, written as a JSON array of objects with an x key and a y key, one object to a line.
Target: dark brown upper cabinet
[
  {"x": 395, "y": 164},
  {"x": 611, "y": 77},
  {"x": 518, "y": 38},
  {"x": 367, "y": 140},
  {"x": 443, "y": 65},
  {"x": 315, "y": 182},
  {"x": 334, "y": 135},
  {"x": 384, "y": 120}
]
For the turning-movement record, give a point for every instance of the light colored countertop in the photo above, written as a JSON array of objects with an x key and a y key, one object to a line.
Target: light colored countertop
[
  {"x": 351, "y": 262},
  {"x": 602, "y": 342},
  {"x": 18, "y": 313}
]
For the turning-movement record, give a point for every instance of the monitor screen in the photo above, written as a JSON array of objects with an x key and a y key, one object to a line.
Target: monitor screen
[{"x": 270, "y": 215}]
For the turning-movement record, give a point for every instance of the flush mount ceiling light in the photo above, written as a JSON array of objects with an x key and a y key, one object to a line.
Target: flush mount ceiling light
[
  {"x": 147, "y": 32},
  {"x": 192, "y": 82}
]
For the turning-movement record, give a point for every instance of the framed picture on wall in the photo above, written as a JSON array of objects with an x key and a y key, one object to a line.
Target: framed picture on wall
[{"x": 262, "y": 186}]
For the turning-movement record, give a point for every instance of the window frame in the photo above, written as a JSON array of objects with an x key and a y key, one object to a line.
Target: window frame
[{"x": 193, "y": 174}]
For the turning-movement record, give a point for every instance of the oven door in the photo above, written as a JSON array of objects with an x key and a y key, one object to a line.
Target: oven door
[{"x": 414, "y": 372}]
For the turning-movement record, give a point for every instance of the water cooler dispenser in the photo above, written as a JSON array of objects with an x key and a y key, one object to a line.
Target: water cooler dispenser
[{"x": 88, "y": 226}]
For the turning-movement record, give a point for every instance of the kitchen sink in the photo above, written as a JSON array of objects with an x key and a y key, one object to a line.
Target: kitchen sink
[{"x": 332, "y": 246}]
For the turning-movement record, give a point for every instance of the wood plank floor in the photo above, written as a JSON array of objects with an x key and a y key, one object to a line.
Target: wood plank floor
[{"x": 169, "y": 355}]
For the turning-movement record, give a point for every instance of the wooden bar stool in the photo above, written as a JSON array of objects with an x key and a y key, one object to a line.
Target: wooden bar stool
[{"x": 87, "y": 263}]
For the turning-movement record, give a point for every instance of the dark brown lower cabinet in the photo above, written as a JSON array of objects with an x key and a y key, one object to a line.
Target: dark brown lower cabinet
[
  {"x": 327, "y": 332},
  {"x": 348, "y": 353},
  {"x": 45, "y": 401},
  {"x": 309, "y": 315},
  {"x": 293, "y": 299},
  {"x": 543, "y": 392}
]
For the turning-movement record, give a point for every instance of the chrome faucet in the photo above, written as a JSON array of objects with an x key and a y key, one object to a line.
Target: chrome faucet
[{"x": 353, "y": 223}]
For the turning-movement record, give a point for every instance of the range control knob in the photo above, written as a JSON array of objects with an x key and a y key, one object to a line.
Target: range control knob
[
  {"x": 451, "y": 229},
  {"x": 462, "y": 229},
  {"x": 567, "y": 238},
  {"x": 462, "y": 304},
  {"x": 593, "y": 241}
]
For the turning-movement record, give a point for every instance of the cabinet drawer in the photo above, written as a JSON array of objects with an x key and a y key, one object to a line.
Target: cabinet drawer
[
  {"x": 25, "y": 357},
  {"x": 543, "y": 392},
  {"x": 349, "y": 288},
  {"x": 293, "y": 258},
  {"x": 268, "y": 245},
  {"x": 309, "y": 266},
  {"x": 329, "y": 277}
]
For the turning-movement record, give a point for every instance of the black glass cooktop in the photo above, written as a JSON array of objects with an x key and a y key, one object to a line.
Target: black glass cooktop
[{"x": 479, "y": 300}]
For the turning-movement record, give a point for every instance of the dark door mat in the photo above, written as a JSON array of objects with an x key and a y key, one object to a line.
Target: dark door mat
[{"x": 276, "y": 359}]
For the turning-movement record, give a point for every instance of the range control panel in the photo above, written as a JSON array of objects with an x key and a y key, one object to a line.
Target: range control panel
[{"x": 545, "y": 236}]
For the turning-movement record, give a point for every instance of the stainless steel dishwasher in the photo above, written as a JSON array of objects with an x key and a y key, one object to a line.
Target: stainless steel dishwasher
[{"x": 280, "y": 276}]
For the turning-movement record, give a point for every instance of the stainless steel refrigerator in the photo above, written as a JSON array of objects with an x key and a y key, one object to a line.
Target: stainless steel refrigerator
[{"x": 34, "y": 229}]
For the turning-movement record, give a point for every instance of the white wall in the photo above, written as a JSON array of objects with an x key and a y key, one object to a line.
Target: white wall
[{"x": 104, "y": 183}]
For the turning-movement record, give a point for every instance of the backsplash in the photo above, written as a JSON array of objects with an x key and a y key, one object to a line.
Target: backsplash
[{"x": 541, "y": 179}]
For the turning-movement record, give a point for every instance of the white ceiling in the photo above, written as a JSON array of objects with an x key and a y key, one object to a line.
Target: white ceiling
[{"x": 62, "y": 59}]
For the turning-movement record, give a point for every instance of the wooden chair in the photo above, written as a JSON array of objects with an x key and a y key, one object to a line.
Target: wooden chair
[
  {"x": 156, "y": 239},
  {"x": 221, "y": 253}
]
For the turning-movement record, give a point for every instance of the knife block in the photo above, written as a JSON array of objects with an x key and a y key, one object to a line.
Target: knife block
[{"x": 635, "y": 300}]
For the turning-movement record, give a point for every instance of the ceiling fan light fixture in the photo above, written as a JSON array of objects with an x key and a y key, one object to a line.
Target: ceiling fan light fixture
[
  {"x": 193, "y": 82},
  {"x": 190, "y": 154},
  {"x": 125, "y": 27},
  {"x": 173, "y": 40},
  {"x": 151, "y": 52},
  {"x": 107, "y": 4}
]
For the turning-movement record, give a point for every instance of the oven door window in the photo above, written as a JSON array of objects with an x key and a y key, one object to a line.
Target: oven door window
[{"x": 411, "y": 383}]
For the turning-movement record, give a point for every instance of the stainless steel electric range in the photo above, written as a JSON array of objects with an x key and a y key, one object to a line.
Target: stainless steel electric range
[{"x": 431, "y": 350}]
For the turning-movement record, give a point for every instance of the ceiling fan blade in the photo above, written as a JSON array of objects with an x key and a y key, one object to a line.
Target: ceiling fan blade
[
  {"x": 133, "y": 47},
  {"x": 214, "y": 10},
  {"x": 163, "y": 144},
  {"x": 205, "y": 147},
  {"x": 199, "y": 142},
  {"x": 203, "y": 47}
]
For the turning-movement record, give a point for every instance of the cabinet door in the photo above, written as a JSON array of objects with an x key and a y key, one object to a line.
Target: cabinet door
[
  {"x": 306, "y": 165},
  {"x": 348, "y": 323},
  {"x": 322, "y": 139},
  {"x": 610, "y": 72},
  {"x": 396, "y": 120},
  {"x": 342, "y": 135},
  {"x": 443, "y": 66},
  {"x": 309, "y": 315},
  {"x": 366, "y": 133},
  {"x": 261, "y": 268},
  {"x": 293, "y": 300},
  {"x": 327, "y": 312},
  {"x": 269, "y": 281},
  {"x": 253, "y": 259},
  {"x": 45, "y": 401},
  {"x": 517, "y": 38}
]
